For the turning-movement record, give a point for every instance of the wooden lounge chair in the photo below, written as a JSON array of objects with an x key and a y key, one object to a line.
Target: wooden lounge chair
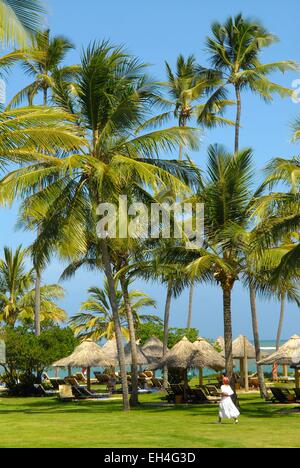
[
  {"x": 40, "y": 391},
  {"x": 82, "y": 393},
  {"x": 101, "y": 378},
  {"x": 202, "y": 397},
  {"x": 66, "y": 393},
  {"x": 297, "y": 393},
  {"x": 170, "y": 397},
  {"x": 157, "y": 383},
  {"x": 79, "y": 376},
  {"x": 282, "y": 395},
  {"x": 212, "y": 390},
  {"x": 55, "y": 382}
]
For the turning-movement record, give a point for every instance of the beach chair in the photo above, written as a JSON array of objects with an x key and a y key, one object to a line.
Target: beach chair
[
  {"x": 202, "y": 397},
  {"x": 101, "y": 378},
  {"x": 66, "y": 393},
  {"x": 73, "y": 382},
  {"x": 297, "y": 393},
  {"x": 82, "y": 393},
  {"x": 282, "y": 395},
  {"x": 170, "y": 397},
  {"x": 212, "y": 390},
  {"x": 55, "y": 382},
  {"x": 79, "y": 376},
  {"x": 40, "y": 391},
  {"x": 157, "y": 383}
]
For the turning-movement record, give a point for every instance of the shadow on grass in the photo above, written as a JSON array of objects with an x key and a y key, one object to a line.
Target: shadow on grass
[{"x": 252, "y": 408}]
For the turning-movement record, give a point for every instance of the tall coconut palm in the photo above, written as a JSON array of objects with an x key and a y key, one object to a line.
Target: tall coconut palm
[
  {"x": 190, "y": 87},
  {"x": 227, "y": 192},
  {"x": 95, "y": 318},
  {"x": 27, "y": 133},
  {"x": 111, "y": 104},
  {"x": 17, "y": 295},
  {"x": 45, "y": 68},
  {"x": 20, "y": 20},
  {"x": 235, "y": 49}
]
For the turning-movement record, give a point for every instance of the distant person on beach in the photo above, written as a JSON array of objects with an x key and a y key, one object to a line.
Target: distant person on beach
[{"x": 227, "y": 409}]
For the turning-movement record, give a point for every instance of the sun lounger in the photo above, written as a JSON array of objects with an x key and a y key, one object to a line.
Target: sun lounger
[
  {"x": 55, "y": 382},
  {"x": 297, "y": 393},
  {"x": 101, "y": 378},
  {"x": 170, "y": 397},
  {"x": 282, "y": 395},
  {"x": 202, "y": 396},
  {"x": 82, "y": 393},
  {"x": 212, "y": 390},
  {"x": 79, "y": 376},
  {"x": 42, "y": 392},
  {"x": 66, "y": 393},
  {"x": 157, "y": 383}
]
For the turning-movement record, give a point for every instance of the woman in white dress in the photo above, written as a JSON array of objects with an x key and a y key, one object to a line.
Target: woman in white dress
[{"x": 227, "y": 408}]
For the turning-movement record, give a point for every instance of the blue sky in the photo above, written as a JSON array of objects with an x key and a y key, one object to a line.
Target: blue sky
[{"x": 157, "y": 31}]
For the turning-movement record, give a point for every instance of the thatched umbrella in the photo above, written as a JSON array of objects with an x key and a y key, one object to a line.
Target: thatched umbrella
[
  {"x": 110, "y": 349},
  {"x": 221, "y": 343},
  {"x": 141, "y": 357},
  {"x": 243, "y": 350},
  {"x": 183, "y": 355},
  {"x": 88, "y": 354},
  {"x": 212, "y": 359},
  {"x": 153, "y": 349},
  {"x": 288, "y": 354}
]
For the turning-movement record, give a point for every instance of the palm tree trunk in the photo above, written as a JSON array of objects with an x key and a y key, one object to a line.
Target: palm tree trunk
[
  {"x": 238, "y": 119},
  {"x": 190, "y": 312},
  {"x": 228, "y": 332},
  {"x": 116, "y": 318},
  {"x": 281, "y": 320},
  {"x": 134, "y": 400},
  {"x": 166, "y": 329},
  {"x": 37, "y": 303},
  {"x": 260, "y": 372},
  {"x": 38, "y": 279}
]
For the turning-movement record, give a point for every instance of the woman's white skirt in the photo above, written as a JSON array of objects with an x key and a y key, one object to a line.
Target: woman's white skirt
[{"x": 228, "y": 410}]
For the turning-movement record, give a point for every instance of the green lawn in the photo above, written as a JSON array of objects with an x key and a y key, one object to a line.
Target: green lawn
[{"x": 50, "y": 423}]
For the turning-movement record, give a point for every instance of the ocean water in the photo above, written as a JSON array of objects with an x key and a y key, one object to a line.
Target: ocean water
[{"x": 267, "y": 347}]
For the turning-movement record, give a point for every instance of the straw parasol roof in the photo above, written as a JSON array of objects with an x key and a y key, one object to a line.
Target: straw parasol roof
[
  {"x": 183, "y": 355},
  {"x": 288, "y": 354},
  {"x": 87, "y": 354},
  {"x": 211, "y": 357},
  {"x": 110, "y": 349},
  {"x": 141, "y": 358},
  {"x": 153, "y": 349},
  {"x": 238, "y": 348}
]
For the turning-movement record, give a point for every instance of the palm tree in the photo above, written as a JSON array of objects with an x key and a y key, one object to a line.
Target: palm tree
[
  {"x": 189, "y": 88},
  {"x": 28, "y": 133},
  {"x": 45, "y": 68},
  {"x": 235, "y": 48},
  {"x": 111, "y": 104},
  {"x": 17, "y": 295},
  {"x": 20, "y": 20},
  {"x": 227, "y": 194},
  {"x": 95, "y": 319},
  {"x": 287, "y": 290}
]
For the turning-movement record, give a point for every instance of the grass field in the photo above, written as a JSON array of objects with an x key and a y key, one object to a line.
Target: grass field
[{"x": 50, "y": 423}]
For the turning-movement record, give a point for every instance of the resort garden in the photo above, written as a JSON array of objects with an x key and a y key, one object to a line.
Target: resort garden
[{"x": 77, "y": 141}]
